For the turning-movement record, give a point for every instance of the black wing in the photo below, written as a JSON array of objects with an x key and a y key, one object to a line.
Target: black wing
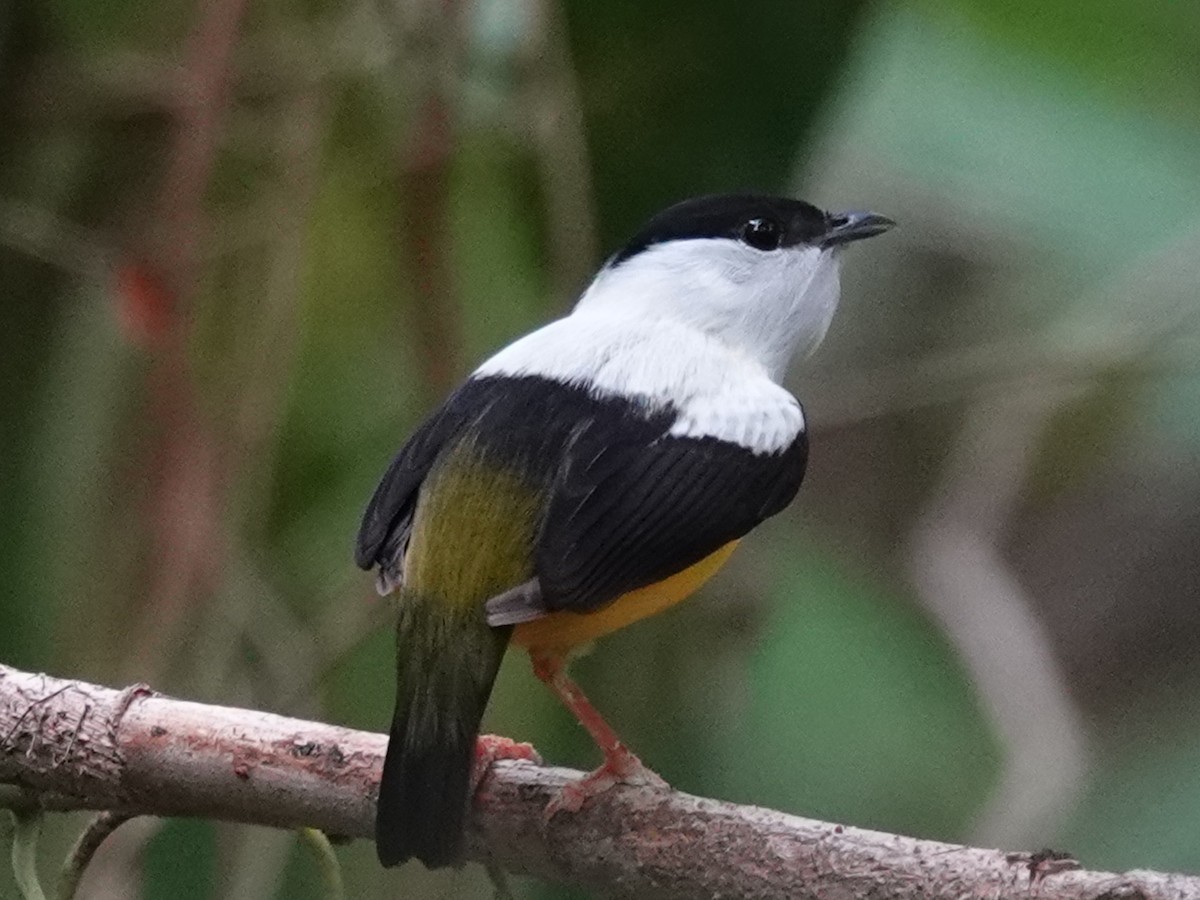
[
  {"x": 627, "y": 504},
  {"x": 625, "y": 514},
  {"x": 383, "y": 534}
]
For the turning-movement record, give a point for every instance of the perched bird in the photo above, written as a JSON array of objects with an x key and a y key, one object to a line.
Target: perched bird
[{"x": 590, "y": 474}]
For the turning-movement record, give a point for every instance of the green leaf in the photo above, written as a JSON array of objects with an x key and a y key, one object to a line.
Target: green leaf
[{"x": 857, "y": 710}]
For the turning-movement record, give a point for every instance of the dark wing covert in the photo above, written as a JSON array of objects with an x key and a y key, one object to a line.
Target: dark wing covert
[
  {"x": 626, "y": 514},
  {"x": 387, "y": 521}
]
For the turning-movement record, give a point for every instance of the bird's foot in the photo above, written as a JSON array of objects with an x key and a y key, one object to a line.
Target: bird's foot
[
  {"x": 492, "y": 747},
  {"x": 620, "y": 767}
]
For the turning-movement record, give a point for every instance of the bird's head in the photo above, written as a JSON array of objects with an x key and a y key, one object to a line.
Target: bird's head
[{"x": 759, "y": 273}]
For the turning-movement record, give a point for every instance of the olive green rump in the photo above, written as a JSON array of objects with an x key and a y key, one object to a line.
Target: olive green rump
[{"x": 473, "y": 531}]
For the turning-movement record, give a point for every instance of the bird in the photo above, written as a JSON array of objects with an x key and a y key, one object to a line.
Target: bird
[{"x": 592, "y": 473}]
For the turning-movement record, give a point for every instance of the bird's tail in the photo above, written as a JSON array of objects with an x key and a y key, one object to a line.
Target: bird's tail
[{"x": 447, "y": 664}]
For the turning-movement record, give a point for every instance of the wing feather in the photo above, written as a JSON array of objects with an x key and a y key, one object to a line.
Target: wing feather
[
  {"x": 387, "y": 521},
  {"x": 627, "y": 503},
  {"x": 651, "y": 509}
]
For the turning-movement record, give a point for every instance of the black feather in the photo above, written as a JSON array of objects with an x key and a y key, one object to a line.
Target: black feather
[
  {"x": 652, "y": 509},
  {"x": 389, "y": 513},
  {"x": 445, "y": 670},
  {"x": 725, "y": 216}
]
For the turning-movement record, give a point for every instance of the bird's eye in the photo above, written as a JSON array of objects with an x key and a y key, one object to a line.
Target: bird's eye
[{"x": 762, "y": 234}]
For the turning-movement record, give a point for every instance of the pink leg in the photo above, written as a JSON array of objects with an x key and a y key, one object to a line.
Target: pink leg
[
  {"x": 620, "y": 765},
  {"x": 491, "y": 747}
]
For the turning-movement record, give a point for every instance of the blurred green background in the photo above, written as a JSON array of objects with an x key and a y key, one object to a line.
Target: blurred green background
[{"x": 244, "y": 246}]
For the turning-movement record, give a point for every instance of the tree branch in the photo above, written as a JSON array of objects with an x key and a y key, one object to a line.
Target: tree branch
[{"x": 71, "y": 745}]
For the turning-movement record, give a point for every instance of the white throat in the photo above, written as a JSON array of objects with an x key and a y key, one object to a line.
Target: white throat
[
  {"x": 706, "y": 327},
  {"x": 767, "y": 306}
]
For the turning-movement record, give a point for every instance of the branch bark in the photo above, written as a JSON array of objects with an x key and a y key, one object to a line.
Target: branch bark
[{"x": 70, "y": 745}]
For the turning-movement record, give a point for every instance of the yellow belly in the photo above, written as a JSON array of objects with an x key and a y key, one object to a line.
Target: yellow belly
[{"x": 559, "y": 632}]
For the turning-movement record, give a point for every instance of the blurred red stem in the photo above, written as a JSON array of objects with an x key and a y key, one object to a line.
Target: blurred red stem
[
  {"x": 199, "y": 109},
  {"x": 425, "y": 174},
  {"x": 185, "y": 505}
]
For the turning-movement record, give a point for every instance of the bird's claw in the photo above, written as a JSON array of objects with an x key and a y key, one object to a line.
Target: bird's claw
[
  {"x": 492, "y": 747},
  {"x": 620, "y": 767}
]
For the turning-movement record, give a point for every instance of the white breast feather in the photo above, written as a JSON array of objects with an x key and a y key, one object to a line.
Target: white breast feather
[
  {"x": 718, "y": 392},
  {"x": 705, "y": 325}
]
